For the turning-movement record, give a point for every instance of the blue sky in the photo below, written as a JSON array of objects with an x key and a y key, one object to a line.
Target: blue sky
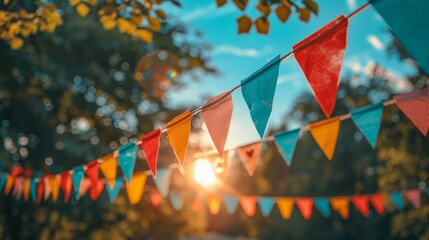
[{"x": 237, "y": 56}]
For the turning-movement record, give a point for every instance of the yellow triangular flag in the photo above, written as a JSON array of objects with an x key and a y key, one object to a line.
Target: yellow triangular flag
[
  {"x": 178, "y": 131},
  {"x": 9, "y": 183},
  {"x": 214, "y": 204},
  {"x": 108, "y": 168},
  {"x": 135, "y": 187},
  {"x": 341, "y": 205},
  {"x": 326, "y": 133},
  {"x": 54, "y": 184},
  {"x": 285, "y": 206},
  {"x": 26, "y": 188}
]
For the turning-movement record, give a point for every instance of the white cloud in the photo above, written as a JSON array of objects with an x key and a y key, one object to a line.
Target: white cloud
[
  {"x": 294, "y": 77},
  {"x": 375, "y": 42},
  {"x": 236, "y": 51},
  {"x": 207, "y": 12},
  {"x": 351, "y": 4}
]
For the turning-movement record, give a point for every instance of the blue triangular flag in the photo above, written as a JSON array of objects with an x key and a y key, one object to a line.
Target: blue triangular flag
[
  {"x": 33, "y": 185},
  {"x": 412, "y": 29},
  {"x": 258, "y": 92},
  {"x": 127, "y": 158},
  {"x": 286, "y": 142},
  {"x": 77, "y": 176},
  {"x": 368, "y": 119},
  {"x": 322, "y": 204},
  {"x": 113, "y": 192},
  {"x": 163, "y": 180},
  {"x": 266, "y": 205},
  {"x": 397, "y": 200},
  {"x": 230, "y": 203},
  {"x": 3, "y": 177},
  {"x": 176, "y": 200}
]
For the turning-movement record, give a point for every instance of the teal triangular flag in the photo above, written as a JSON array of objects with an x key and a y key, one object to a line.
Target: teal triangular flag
[
  {"x": 258, "y": 92},
  {"x": 426, "y": 191},
  {"x": 397, "y": 200},
  {"x": 33, "y": 189},
  {"x": 127, "y": 158},
  {"x": 266, "y": 205},
  {"x": 163, "y": 180},
  {"x": 230, "y": 203},
  {"x": 176, "y": 200},
  {"x": 77, "y": 176},
  {"x": 113, "y": 192},
  {"x": 368, "y": 119},
  {"x": 322, "y": 204},
  {"x": 286, "y": 142},
  {"x": 408, "y": 22},
  {"x": 3, "y": 177}
]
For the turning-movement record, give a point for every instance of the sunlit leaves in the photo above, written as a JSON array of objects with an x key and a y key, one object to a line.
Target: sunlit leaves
[
  {"x": 143, "y": 35},
  {"x": 82, "y": 9},
  {"x": 283, "y": 9},
  {"x": 154, "y": 24},
  {"x": 16, "y": 43}
]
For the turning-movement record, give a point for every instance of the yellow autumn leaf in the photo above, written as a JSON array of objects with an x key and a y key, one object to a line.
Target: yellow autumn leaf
[
  {"x": 92, "y": 2},
  {"x": 82, "y": 9},
  {"x": 154, "y": 24},
  {"x": 159, "y": 1},
  {"x": 220, "y": 3},
  {"x": 304, "y": 14},
  {"x": 136, "y": 19},
  {"x": 160, "y": 14},
  {"x": 244, "y": 24},
  {"x": 108, "y": 22},
  {"x": 74, "y": 2},
  {"x": 144, "y": 35},
  {"x": 283, "y": 13},
  {"x": 262, "y": 25},
  {"x": 125, "y": 26},
  {"x": 5, "y": 2},
  {"x": 312, "y": 6},
  {"x": 16, "y": 43},
  {"x": 264, "y": 9},
  {"x": 241, "y": 4}
]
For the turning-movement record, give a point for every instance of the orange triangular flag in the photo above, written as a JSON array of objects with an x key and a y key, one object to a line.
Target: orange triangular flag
[
  {"x": 326, "y": 133},
  {"x": 26, "y": 188},
  {"x": 248, "y": 203},
  {"x": 47, "y": 187},
  {"x": 217, "y": 113},
  {"x": 136, "y": 187},
  {"x": 155, "y": 198},
  {"x": 108, "y": 167},
  {"x": 178, "y": 131},
  {"x": 85, "y": 184},
  {"x": 9, "y": 183},
  {"x": 54, "y": 184},
  {"x": 285, "y": 206},
  {"x": 305, "y": 206},
  {"x": 196, "y": 205},
  {"x": 249, "y": 155},
  {"x": 341, "y": 205},
  {"x": 213, "y": 203}
]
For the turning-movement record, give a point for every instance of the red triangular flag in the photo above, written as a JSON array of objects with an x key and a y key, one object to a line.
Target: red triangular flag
[
  {"x": 92, "y": 171},
  {"x": 96, "y": 189},
  {"x": 150, "y": 147},
  {"x": 66, "y": 184},
  {"x": 40, "y": 190},
  {"x": 378, "y": 203},
  {"x": 249, "y": 155},
  {"x": 217, "y": 114},
  {"x": 248, "y": 203},
  {"x": 305, "y": 206},
  {"x": 414, "y": 197},
  {"x": 361, "y": 203},
  {"x": 320, "y": 57},
  {"x": 415, "y": 105}
]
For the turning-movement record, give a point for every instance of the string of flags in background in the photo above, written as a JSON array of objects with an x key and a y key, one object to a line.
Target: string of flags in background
[{"x": 320, "y": 56}]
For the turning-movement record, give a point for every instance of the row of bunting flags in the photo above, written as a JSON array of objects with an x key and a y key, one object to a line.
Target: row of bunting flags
[{"x": 320, "y": 57}]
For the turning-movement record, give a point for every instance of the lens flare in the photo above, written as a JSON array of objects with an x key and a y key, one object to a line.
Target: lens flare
[{"x": 203, "y": 173}]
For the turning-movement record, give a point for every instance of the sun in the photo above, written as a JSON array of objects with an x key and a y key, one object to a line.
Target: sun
[{"x": 203, "y": 173}]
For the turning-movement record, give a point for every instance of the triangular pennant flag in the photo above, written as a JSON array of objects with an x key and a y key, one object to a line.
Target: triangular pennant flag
[
  {"x": 135, "y": 187},
  {"x": 322, "y": 204},
  {"x": 16, "y": 171},
  {"x": 178, "y": 131},
  {"x": 341, "y": 205},
  {"x": 230, "y": 203},
  {"x": 213, "y": 202},
  {"x": 47, "y": 187},
  {"x": 285, "y": 206},
  {"x": 361, "y": 203},
  {"x": 248, "y": 203},
  {"x": 368, "y": 119},
  {"x": 150, "y": 147},
  {"x": 196, "y": 205},
  {"x": 113, "y": 191},
  {"x": 77, "y": 176},
  {"x": 66, "y": 185},
  {"x": 397, "y": 200},
  {"x": 109, "y": 168},
  {"x": 326, "y": 133},
  {"x": 17, "y": 187},
  {"x": 3, "y": 177},
  {"x": 249, "y": 155},
  {"x": 40, "y": 191},
  {"x": 305, "y": 206},
  {"x": 414, "y": 197},
  {"x": 54, "y": 185},
  {"x": 163, "y": 181},
  {"x": 427, "y": 191},
  {"x": 96, "y": 189},
  {"x": 33, "y": 189},
  {"x": 413, "y": 30},
  {"x": 320, "y": 57},
  {"x": 258, "y": 91},
  {"x": 155, "y": 198},
  {"x": 217, "y": 114},
  {"x": 176, "y": 200},
  {"x": 9, "y": 184},
  {"x": 26, "y": 188},
  {"x": 92, "y": 171},
  {"x": 127, "y": 158},
  {"x": 85, "y": 184},
  {"x": 286, "y": 142},
  {"x": 415, "y": 105},
  {"x": 378, "y": 203},
  {"x": 266, "y": 205}
]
